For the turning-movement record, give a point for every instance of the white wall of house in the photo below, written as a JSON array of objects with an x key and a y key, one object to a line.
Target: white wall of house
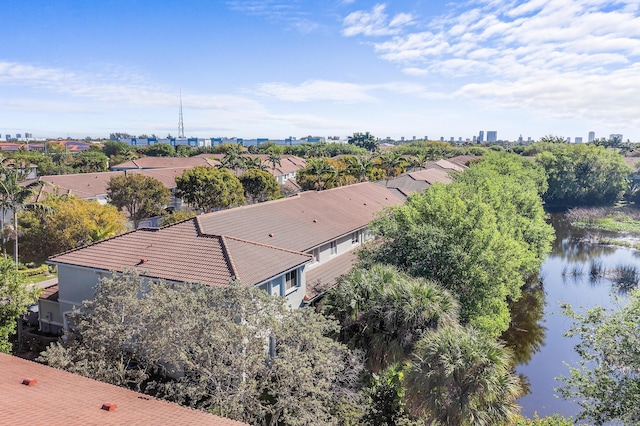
[
  {"x": 290, "y": 285},
  {"x": 337, "y": 247},
  {"x": 50, "y": 316}
]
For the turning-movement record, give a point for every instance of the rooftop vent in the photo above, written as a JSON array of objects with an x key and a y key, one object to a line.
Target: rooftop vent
[
  {"x": 29, "y": 381},
  {"x": 109, "y": 406},
  {"x": 271, "y": 235}
]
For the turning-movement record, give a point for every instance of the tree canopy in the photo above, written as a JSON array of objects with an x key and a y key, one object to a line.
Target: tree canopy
[
  {"x": 460, "y": 376},
  {"x": 583, "y": 175},
  {"x": 606, "y": 381},
  {"x": 140, "y": 196},
  {"x": 232, "y": 350},
  {"x": 15, "y": 297},
  {"x": 259, "y": 185},
  {"x": 480, "y": 237},
  {"x": 384, "y": 312},
  {"x": 209, "y": 188},
  {"x": 69, "y": 222},
  {"x": 364, "y": 140}
]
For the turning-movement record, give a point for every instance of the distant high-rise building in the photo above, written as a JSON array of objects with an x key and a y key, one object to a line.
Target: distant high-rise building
[
  {"x": 529, "y": 139},
  {"x": 481, "y": 136},
  {"x": 475, "y": 139},
  {"x": 592, "y": 136},
  {"x": 441, "y": 138},
  {"x": 492, "y": 136},
  {"x": 18, "y": 136},
  {"x": 520, "y": 140},
  {"x": 426, "y": 138},
  {"x": 578, "y": 139},
  {"x": 8, "y": 137},
  {"x": 451, "y": 139},
  {"x": 568, "y": 139}
]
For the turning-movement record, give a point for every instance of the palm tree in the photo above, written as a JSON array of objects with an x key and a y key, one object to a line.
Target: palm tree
[
  {"x": 460, "y": 376},
  {"x": 322, "y": 170},
  {"x": 385, "y": 312},
  {"x": 15, "y": 197},
  {"x": 254, "y": 163},
  {"x": 418, "y": 160},
  {"x": 393, "y": 164},
  {"x": 275, "y": 159},
  {"x": 359, "y": 166}
]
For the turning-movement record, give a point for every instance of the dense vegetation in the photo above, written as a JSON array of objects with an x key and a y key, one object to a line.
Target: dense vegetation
[
  {"x": 480, "y": 237},
  {"x": 606, "y": 381},
  {"x": 14, "y": 299},
  {"x": 583, "y": 175},
  {"x": 235, "y": 351}
]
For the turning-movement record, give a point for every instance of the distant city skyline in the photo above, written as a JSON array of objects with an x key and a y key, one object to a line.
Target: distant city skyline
[{"x": 276, "y": 68}]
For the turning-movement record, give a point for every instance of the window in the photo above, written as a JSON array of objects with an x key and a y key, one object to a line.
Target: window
[
  {"x": 334, "y": 248},
  {"x": 291, "y": 280},
  {"x": 355, "y": 237}
]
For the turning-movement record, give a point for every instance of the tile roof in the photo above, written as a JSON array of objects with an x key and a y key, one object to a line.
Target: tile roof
[
  {"x": 251, "y": 243},
  {"x": 305, "y": 221},
  {"x": 181, "y": 252},
  {"x": 92, "y": 185},
  {"x": 325, "y": 276},
  {"x": 62, "y": 398},
  {"x": 164, "y": 162}
]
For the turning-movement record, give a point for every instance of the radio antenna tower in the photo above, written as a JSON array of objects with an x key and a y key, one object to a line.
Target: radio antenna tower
[{"x": 180, "y": 121}]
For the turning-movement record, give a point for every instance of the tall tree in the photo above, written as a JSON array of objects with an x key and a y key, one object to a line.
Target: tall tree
[
  {"x": 583, "y": 175},
  {"x": 235, "y": 350},
  {"x": 161, "y": 150},
  {"x": 209, "y": 188},
  {"x": 316, "y": 174},
  {"x": 16, "y": 197},
  {"x": 364, "y": 140},
  {"x": 259, "y": 186},
  {"x": 480, "y": 237},
  {"x": 461, "y": 377},
  {"x": 15, "y": 297},
  {"x": 140, "y": 196},
  {"x": 90, "y": 162},
  {"x": 68, "y": 222}
]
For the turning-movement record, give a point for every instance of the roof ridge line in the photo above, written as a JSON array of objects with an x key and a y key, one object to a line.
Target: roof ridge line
[
  {"x": 228, "y": 258},
  {"x": 265, "y": 245}
]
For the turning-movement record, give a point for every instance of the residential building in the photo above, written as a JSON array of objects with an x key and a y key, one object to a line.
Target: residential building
[
  {"x": 287, "y": 169},
  {"x": 295, "y": 247},
  {"x": 38, "y": 394}
]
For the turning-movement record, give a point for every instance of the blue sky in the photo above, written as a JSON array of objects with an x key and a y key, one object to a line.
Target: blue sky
[{"x": 279, "y": 68}]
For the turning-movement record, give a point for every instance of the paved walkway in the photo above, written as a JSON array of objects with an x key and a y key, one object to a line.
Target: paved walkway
[{"x": 44, "y": 284}]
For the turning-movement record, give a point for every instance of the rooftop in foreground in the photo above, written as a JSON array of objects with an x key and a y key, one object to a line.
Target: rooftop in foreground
[{"x": 57, "y": 397}]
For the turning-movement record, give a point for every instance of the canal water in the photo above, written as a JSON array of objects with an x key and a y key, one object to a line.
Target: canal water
[{"x": 536, "y": 335}]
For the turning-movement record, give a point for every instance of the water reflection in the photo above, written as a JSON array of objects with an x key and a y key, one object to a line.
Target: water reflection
[
  {"x": 579, "y": 271},
  {"x": 578, "y": 245}
]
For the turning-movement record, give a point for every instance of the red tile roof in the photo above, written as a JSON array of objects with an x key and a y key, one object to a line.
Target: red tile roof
[
  {"x": 61, "y": 398},
  {"x": 92, "y": 185},
  {"x": 305, "y": 221},
  {"x": 164, "y": 162},
  {"x": 325, "y": 276},
  {"x": 181, "y": 252},
  {"x": 251, "y": 243}
]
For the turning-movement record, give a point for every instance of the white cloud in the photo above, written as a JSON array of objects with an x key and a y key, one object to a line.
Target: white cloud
[
  {"x": 316, "y": 90},
  {"x": 375, "y": 22},
  {"x": 557, "y": 57}
]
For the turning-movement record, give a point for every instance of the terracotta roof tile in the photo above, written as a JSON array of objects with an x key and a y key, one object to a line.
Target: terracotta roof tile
[
  {"x": 305, "y": 221},
  {"x": 325, "y": 276},
  {"x": 62, "y": 398},
  {"x": 182, "y": 253}
]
